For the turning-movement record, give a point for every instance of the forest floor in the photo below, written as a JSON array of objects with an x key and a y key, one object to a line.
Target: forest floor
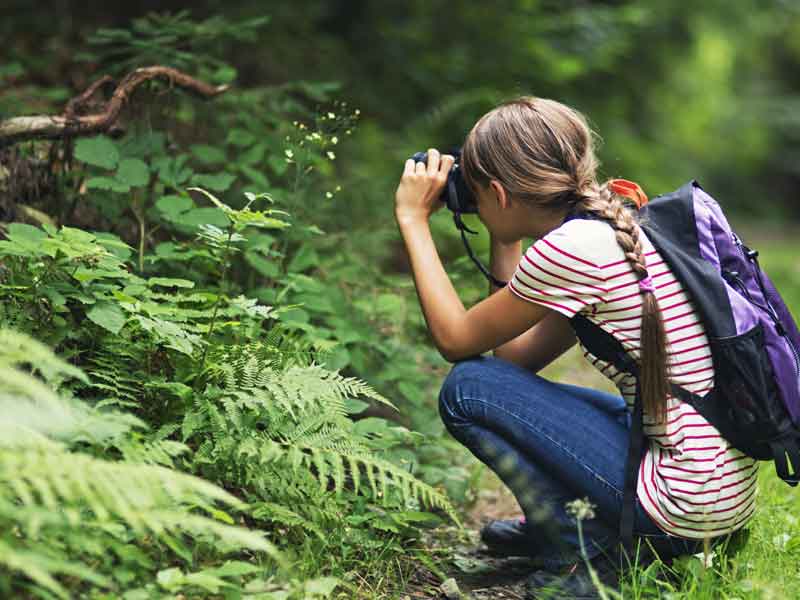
[{"x": 476, "y": 574}]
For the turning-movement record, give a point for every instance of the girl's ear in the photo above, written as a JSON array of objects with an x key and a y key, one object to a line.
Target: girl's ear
[{"x": 503, "y": 199}]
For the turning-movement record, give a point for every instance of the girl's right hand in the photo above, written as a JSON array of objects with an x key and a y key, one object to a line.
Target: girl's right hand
[{"x": 417, "y": 195}]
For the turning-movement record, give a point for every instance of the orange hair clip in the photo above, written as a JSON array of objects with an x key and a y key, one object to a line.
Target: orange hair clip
[{"x": 629, "y": 189}]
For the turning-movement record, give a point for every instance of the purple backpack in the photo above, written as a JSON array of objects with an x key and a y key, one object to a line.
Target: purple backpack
[{"x": 755, "y": 343}]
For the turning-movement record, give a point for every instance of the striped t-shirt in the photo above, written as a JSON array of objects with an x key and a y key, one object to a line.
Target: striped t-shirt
[{"x": 691, "y": 482}]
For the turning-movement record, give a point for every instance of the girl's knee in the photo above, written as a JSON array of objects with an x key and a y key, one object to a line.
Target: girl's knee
[{"x": 450, "y": 394}]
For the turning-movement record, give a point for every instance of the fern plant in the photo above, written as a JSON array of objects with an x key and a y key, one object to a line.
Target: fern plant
[
  {"x": 271, "y": 423},
  {"x": 61, "y": 510}
]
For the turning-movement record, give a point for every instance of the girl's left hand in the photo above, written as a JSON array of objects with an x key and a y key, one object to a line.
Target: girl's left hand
[{"x": 417, "y": 196}]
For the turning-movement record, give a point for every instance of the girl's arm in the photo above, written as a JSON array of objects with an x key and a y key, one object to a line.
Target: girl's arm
[
  {"x": 457, "y": 333},
  {"x": 541, "y": 344}
]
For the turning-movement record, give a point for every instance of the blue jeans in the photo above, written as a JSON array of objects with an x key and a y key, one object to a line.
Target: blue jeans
[{"x": 551, "y": 443}]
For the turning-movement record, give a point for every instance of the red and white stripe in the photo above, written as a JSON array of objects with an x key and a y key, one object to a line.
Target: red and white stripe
[{"x": 691, "y": 482}]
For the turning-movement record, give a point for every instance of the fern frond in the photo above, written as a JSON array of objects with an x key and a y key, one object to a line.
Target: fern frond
[
  {"x": 18, "y": 349},
  {"x": 277, "y": 513},
  {"x": 39, "y": 568},
  {"x": 157, "y": 452},
  {"x": 28, "y": 403},
  {"x": 146, "y": 498},
  {"x": 113, "y": 371}
]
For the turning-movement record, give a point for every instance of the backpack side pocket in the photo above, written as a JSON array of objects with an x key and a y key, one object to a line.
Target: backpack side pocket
[{"x": 746, "y": 393}]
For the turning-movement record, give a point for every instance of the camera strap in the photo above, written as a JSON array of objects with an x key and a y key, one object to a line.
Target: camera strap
[{"x": 464, "y": 229}]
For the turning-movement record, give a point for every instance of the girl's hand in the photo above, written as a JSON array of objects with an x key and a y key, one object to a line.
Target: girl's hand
[{"x": 417, "y": 196}]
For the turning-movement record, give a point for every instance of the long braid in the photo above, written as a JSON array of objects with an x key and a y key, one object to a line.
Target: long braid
[{"x": 602, "y": 202}]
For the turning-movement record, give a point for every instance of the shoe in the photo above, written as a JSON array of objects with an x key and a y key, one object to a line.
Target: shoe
[
  {"x": 509, "y": 538},
  {"x": 573, "y": 582}
]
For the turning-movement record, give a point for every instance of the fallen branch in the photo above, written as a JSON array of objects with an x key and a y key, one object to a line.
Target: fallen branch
[{"x": 71, "y": 124}]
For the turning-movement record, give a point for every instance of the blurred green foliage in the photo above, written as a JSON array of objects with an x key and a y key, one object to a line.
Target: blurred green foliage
[
  {"x": 143, "y": 284},
  {"x": 676, "y": 89}
]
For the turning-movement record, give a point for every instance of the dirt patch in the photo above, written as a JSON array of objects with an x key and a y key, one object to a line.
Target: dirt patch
[{"x": 477, "y": 575}]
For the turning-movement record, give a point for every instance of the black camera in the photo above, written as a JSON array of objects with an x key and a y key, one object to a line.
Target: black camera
[
  {"x": 460, "y": 200},
  {"x": 456, "y": 193}
]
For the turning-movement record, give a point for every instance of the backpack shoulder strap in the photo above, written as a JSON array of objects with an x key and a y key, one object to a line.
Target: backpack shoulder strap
[{"x": 607, "y": 348}]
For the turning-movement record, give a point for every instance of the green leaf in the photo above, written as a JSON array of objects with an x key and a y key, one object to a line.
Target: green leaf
[
  {"x": 108, "y": 315},
  {"x": 322, "y": 586},
  {"x": 234, "y": 568},
  {"x": 219, "y": 182},
  {"x": 205, "y": 581},
  {"x": 305, "y": 257},
  {"x": 257, "y": 177},
  {"x": 252, "y": 156},
  {"x": 202, "y": 216},
  {"x": 354, "y": 406},
  {"x": 99, "y": 151},
  {"x": 172, "y": 206},
  {"x": 369, "y": 425},
  {"x": 168, "y": 282},
  {"x": 225, "y": 74},
  {"x": 113, "y": 244},
  {"x": 240, "y": 138},
  {"x": 278, "y": 164},
  {"x": 133, "y": 172},
  {"x": 169, "y": 578},
  {"x": 338, "y": 358},
  {"x": 209, "y": 155},
  {"x": 268, "y": 268},
  {"x": 172, "y": 171},
  {"x": 144, "y": 144},
  {"x": 25, "y": 234},
  {"x": 106, "y": 183}
]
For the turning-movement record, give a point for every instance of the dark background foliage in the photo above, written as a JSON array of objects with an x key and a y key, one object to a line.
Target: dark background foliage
[
  {"x": 196, "y": 323},
  {"x": 676, "y": 89}
]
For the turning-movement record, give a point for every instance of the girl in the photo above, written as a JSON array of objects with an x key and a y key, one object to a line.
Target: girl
[{"x": 531, "y": 164}]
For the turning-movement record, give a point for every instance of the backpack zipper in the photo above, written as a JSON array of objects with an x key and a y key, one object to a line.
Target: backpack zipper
[{"x": 752, "y": 256}]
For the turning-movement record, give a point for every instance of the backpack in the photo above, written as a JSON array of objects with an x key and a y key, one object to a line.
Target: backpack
[{"x": 755, "y": 343}]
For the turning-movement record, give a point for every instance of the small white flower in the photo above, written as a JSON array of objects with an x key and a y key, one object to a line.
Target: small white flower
[
  {"x": 706, "y": 559},
  {"x": 338, "y": 188},
  {"x": 331, "y": 155},
  {"x": 780, "y": 541},
  {"x": 334, "y": 140},
  {"x": 288, "y": 153},
  {"x": 316, "y": 135},
  {"x": 348, "y": 132},
  {"x": 581, "y": 509},
  {"x": 331, "y": 115},
  {"x": 357, "y": 112},
  {"x": 328, "y": 195}
]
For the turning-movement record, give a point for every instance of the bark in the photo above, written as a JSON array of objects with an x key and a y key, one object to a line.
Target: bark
[{"x": 73, "y": 124}]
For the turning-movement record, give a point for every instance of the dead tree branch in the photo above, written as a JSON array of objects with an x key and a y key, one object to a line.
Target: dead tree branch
[{"x": 73, "y": 124}]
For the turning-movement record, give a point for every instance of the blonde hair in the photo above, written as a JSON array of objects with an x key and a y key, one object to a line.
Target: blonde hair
[{"x": 543, "y": 152}]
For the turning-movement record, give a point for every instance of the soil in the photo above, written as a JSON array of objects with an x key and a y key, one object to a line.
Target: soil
[{"x": 476, "y": 574}]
